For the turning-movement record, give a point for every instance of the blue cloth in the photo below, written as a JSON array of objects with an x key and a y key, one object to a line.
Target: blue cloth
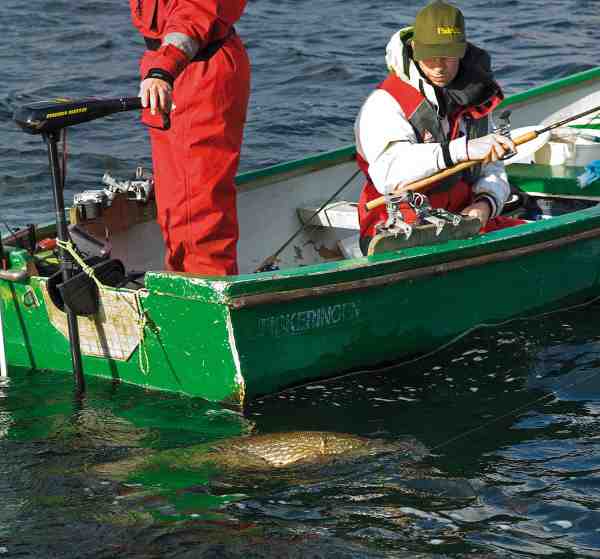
[{"x": 591, "y": 174}]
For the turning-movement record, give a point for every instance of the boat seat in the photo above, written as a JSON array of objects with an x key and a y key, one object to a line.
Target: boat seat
[{"x": 339, "y": 215}]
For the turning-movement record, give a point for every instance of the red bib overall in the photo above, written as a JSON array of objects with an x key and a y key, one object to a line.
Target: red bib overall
[{"x": 196, "y": 160}]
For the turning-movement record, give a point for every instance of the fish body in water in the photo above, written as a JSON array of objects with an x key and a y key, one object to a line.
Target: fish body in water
[
  {"x": 263, "y": 452},
  {"x": 278, "y": 450}
]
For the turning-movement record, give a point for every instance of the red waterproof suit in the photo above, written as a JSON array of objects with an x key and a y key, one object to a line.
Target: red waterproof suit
[{"x": 196, "y": 160}]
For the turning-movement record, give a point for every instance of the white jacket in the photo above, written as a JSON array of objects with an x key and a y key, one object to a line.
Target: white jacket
[{"x": 387, "y": 141}]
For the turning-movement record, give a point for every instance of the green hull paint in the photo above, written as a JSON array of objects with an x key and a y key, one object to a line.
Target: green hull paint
[
  {"x": 228, "y": 339},
  {"x": 186, "y": 345},
  {"x": 395, "y": 322}
]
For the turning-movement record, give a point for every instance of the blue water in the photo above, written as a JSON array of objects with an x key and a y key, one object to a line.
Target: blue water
[{"x": 498, "y": 483}]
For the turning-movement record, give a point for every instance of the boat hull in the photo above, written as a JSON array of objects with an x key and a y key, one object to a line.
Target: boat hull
[
  {"x": 365, "y": 322},
  {"x": 227, "y": 340}
]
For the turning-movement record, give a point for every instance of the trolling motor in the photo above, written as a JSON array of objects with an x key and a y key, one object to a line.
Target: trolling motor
[{"x": 49, "y": 119}]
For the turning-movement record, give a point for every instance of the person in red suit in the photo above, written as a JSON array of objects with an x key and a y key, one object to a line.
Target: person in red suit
[{"x": 195, "y": 69}]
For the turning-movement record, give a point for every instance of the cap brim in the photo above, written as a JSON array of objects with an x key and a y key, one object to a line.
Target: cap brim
[{"x": 422, "y": 51}]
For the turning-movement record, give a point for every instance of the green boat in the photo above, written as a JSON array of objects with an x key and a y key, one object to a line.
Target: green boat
[{"x": 325, "y": 310}]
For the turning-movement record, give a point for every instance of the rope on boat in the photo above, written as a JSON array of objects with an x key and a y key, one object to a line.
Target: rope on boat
[
  {"x": 140, "y": 312},
  {"x": 70, "y": 248},
  {"x": 142, "y": 321}
]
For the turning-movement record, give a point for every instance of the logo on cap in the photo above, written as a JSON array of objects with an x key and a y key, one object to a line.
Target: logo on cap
[{"x": 448, "y": 30}]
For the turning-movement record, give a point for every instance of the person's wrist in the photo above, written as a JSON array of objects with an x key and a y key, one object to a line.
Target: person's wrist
[
  {"x": 488, "y": 202},
  {"x": 159, "y": 74},
  {"x": 458, "y": 149},
  {"x": 168, "y": 59}
]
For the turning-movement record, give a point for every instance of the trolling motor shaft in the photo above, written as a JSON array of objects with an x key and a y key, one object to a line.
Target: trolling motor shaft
[
  {"x": 66, "y": 262},
  {"x": 49, "y": 118}
]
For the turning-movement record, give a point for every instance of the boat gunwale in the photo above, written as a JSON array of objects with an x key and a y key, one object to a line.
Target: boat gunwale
[
  {"x": 389, "y": 267},
  {"x": 246, "y": 301}
]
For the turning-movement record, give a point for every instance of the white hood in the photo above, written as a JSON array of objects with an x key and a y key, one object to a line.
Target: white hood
[
  {"x": 394, "y": 54},
  {"x": 394, "y": 58}
]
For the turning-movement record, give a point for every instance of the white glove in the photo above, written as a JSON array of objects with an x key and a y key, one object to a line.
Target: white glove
[{"x": 491, "y": 147}]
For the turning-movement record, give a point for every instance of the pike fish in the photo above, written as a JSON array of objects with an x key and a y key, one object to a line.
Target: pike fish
[{"x": 262, "y": 452}]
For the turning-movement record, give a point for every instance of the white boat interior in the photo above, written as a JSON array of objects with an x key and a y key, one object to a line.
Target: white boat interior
[
  {"x": 270, "y": 211},
  {"x": 274, "y": 203}
]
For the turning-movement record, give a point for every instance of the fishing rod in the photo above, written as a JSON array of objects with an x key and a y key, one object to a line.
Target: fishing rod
[
  {"x": 49, "y": 119},
  {"x": 426, "y": 183}
]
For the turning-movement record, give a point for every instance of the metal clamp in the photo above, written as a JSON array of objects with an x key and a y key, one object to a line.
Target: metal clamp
[
  {"x": 402, "y": 228},
  {"x": 441, "y": 213},
  {"x": 437, "y": 222},
  {"x": 394, "y": 224},
  {"x": 141, "y": 188}
]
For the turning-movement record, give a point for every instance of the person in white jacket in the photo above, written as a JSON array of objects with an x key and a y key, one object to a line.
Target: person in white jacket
[{"x": 432, "y": 112}]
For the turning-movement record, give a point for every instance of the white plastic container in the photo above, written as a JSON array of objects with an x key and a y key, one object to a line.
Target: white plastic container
[
  {"x": 574, "y": 148},
  {"x": 555, "y": 153},
  {"x": 586, "y": 151},
  {"x": 570, "y": 146}
]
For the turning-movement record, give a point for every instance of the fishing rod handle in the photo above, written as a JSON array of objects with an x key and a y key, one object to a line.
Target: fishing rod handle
[
  {"x": 424, "y": 184},
  {"x": 527, "y": 137}
]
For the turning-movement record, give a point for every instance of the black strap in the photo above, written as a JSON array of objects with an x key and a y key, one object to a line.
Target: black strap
[
  {"x": 152, "y": 44},
  {"x": 161, "y": 75},
  {"x": 446, "y": 153},
  {"x": 202, "y": 55}
]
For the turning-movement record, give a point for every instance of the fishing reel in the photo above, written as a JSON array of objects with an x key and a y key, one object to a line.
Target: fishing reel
[
  {"x": 504, "y": 129},
  {"x": 415, "y": 204}
]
